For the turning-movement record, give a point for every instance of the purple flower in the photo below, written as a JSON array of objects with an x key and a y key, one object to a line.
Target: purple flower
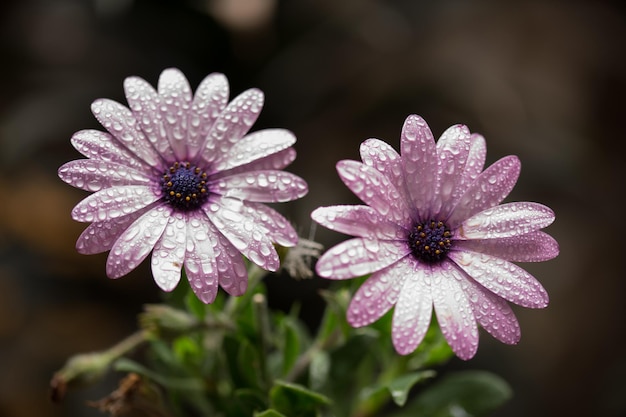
[
  {"x": 178, "y": 175},
  {"x": 434, "y": 234}
]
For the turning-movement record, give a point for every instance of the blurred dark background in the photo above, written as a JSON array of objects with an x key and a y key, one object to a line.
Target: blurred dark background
[{"x": 545, "y": 80}]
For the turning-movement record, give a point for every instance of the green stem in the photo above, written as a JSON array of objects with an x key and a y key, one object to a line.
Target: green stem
[{"x": 305, "y": 359}]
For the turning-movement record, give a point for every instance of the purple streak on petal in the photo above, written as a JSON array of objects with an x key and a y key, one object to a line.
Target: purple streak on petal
[
  {"x": 505, "y": 220},
  {"x": 503, "y": 278},
  {"x": 261, "y": 186},
  {"x": 488, "y": 190},
  {"x": 94, "y": 175},
  {"x": 253, "y": 147},
  {"x": 377, "y": 295},
  {"x": 233, "y": 275},
  {"x": 132, "y": 247},
  {"x": 209, "y": 101},
  {"x": 530, "y": 247},
  {"x": 413, "y": 311},
  {"x": 492, "y": 312},
  {"x": 360, "y": 256},
  {"x": 454, "y": 312},
  {"x": 452, "y": 150},
  {"x": 421, "y": 165},
  {"x": 234, "y": 122},
  {"x": 279, "y": 230},
  {"x": 112, "y": 203},
  {"x": 361, "y": 221},
  {"x": 382, "y": 157},
  {"x": 168, "y": 255},
  {"x": 121, "y": 123},
  {"x": 276, "y": 161},
  {"x": 175, "y": 94},
  {"x": 375, "y": 190},
  {"x": 200, "y": 259},
  {"x": 99, "y": 237},
  {"x": 102, "y": 146},
  {"x": 145, "y": 104},
  {"x": 249, "y": 237}
]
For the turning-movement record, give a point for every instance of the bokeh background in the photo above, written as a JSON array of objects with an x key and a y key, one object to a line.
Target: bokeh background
[{"x": 545, "y": 80}]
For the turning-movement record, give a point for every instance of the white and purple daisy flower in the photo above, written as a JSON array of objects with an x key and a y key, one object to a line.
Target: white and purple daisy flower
[
  {"x": 434, "y": 236},
  {"x": 178, "y": 175}
]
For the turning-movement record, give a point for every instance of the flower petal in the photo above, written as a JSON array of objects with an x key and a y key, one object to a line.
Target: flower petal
[
  {"x": 375, "y": 190},
  {"x": 377, "y": 295},
  {"x": 276, "y": 161},
  {"x": 99, "y": 237},
  {"x": 254, "y": 146},
  {"x": 132, "y": 247},
  {"x": 530, "y": 247},
  {"x": 175, "y": 94},
  {"x": 452, "y": 150},
  {"x": 420, "y": 162},
  {"x": 112, "y": 203},
  {"x": 233, "y": 275},
  {"x": 488, "y": 190},
  {"x": 209, "y": 101},
  {"x": 94, "y": 175},
  {"x": 454, "y": 312},
  {"x": 382, "y": 157},
  {"x": 360, "y": 256},
  {"x": 503, "y": 278},
  {"x": 279, "y": 230},
  {"x": 249, "y": 237},
  {"x": 413, "y": 311},
  {"x": 512, "y": 219},
  {"x": 168, "y": 255},
  {"x": 361, "y": 221},
  {"x": 492, "y": 312},
  {"x": 261, "y": 186},
  {"x": 200, "y": 259},
  {"x": 121, "y": 123},
  {"x": 233, "y": 123},
  {"x": 145, "y": 104},
  {"x": 475, "y": 160},
  {"x": 102, "y": 146}
]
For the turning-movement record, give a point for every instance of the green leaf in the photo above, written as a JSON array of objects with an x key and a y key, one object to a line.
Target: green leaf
[
  {"x": 269, "y": 413},
  {"x": 469, "y": 393},
  {"x": 399, "y": 388},
  {"x": 248, "y": 363},
  {"x": 127, "y": 365},
  {"x": 291, "y": 348},
  {"x": 319, "y": 369},
  {"x": 295, "y": 400}
]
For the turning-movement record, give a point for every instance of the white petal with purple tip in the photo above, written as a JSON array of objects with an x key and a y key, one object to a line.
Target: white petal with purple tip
[
  {"x": 200, "y": 262},
  {"x": 145, "y": 104},
  {"x": 488, "y": 190},
  {"x": 375, "y": 190},
  {"x": 175, "y": 102},
  {"x": 261, "y": 186},
  {"x": 454, "y": 312},
  {"x": 121, "y": 123},
  {"x": 413, "y": 311},
  {"x": 360, "y": 256},
  {"x": 168, "y": 255},
  {"x": 94, "y": 175},
  {"x": 503, "y": 278},
  {"x": 420, "y": 162},
  {"x": 249, "y": 237},
  {"x": 132, "y": 247},
  {"x": 511, "y": 219},
  {"x": 112, "y": 203},
  {"x": 233, "y": 123},
  {"x": 377, "y": 295}
]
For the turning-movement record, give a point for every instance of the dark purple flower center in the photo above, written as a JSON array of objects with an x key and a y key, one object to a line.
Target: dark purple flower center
[
  {"x": 430, "y": 241},
  {"x": 184, "y": 186}
]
